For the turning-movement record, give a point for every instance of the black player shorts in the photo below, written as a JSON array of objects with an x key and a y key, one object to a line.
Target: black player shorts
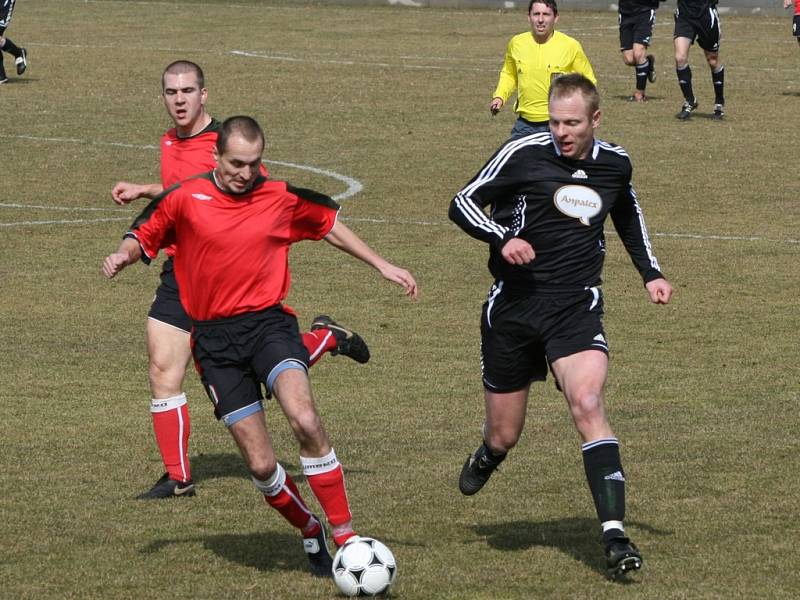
[
  {"x": 521, "y": 333},
  {"x": 705, "y": 29},
  {"x": 166, "y": 306},
  {"x": 237, "y": 355},
  {"x": 6, "y": 12},
  {"x": 796, "y": 26},
  {"x": 636, "y": 29}
]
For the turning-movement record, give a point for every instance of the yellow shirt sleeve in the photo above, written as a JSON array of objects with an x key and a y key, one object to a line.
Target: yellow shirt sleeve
[{"x": 507, "y": 84}]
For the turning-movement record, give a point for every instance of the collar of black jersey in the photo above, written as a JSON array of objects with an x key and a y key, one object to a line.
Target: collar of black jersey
[{"x": 595, "y": 151}]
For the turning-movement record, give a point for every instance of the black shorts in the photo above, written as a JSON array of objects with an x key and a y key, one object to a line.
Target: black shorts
[
  {"x": 166, "y": 306},
  {"x": 235, "y": 356},
  {"x": 6, "y": 11},
  {"x": 522, "y": 333},
  {"x": 705, "y": 29},
  {"x": 796, "y": 26},
  {"x": 636, "y": 29}
]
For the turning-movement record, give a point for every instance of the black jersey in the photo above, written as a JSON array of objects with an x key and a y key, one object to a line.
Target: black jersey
[
  {"x": 695, "y": 8},
  {"x": 632, "y": 7},
  {"x": 558, "y": 205}
]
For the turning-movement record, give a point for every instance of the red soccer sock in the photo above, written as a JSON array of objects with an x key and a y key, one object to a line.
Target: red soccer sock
[
  {"x": 282, "y": 494},
  {"x": 318, "y": 342},
  {"x": 172, "y": 427},
  {"x": 326, "y": 479}
]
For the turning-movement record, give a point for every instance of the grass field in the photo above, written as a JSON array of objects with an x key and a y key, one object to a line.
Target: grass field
[{"x": 703, "y": 393}]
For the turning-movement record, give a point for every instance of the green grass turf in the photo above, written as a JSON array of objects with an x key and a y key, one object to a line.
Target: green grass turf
[{"x": 702, "y": 393}]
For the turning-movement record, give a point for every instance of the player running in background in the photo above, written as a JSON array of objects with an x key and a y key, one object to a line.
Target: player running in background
[
  {"x": 796, "y": 19},
  {"x": 6, "y": 45},
  {"x": 549, "y": 196},
  {"x": 636, "y": 21},
  {"x": 531, "y": 61},
  {"x": 186, "y": 150},
  {"x": 698, "y": 20},
  {"x": 233, "y": 229}
]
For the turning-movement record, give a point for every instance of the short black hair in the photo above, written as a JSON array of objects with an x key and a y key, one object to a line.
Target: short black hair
[
  {"x": 549, "y": 3},
  {"x": 180, "y": 67},
  {"x": 247, "y": 127}
]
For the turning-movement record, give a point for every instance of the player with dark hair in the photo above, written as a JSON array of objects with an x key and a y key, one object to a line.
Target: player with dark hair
[
  {"x": 6, "y": 45},
  {"x": 796, "y": 18},
  {"x": 531, "y": 62},
  {"x": 636, "y": 21},
  {"x": 233, "y": 229},
  {"x": 548, "y": 197},
  {"x": 188, "y": 149},
  {"x": 698, "y": 20}
]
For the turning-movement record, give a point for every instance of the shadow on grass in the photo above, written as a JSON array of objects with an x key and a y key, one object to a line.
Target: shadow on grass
[
  {"x": 263, "y": 551},
  {"x": 230, "y": 464},
  {"x": 575, "y": 536}
]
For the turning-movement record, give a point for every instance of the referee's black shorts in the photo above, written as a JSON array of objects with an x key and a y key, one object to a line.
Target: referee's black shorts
[
  {"x": 237, "y": 355},
  {"x": 705, "y": 29},
  {"x": 166, "y": 306},
  {"x": 636, "y": 28},
  {"x": 521, "y": 333}
]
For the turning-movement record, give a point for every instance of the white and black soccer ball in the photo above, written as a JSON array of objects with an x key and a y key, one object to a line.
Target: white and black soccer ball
[{"x": 364, "y": 567}]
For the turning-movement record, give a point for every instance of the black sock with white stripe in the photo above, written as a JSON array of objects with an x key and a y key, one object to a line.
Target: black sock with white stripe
[
  {"x": 642, "y": 71},
  {"x": 606, "y": 478},
  {"x": 685, "y": 81},
  {"x": 718, "y": 78}
]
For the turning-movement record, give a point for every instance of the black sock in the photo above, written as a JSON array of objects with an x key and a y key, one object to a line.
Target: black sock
[
  {"x": 606, "y": 478},
  {"x": 642, "y": 71},
  {"x": 11, "y": 48},
  {"x": 685, "y": 81},
  {"x": 718, "y": 78},
  {"x": 2, "y": 68},
  {"x": 491, "y": 457}
]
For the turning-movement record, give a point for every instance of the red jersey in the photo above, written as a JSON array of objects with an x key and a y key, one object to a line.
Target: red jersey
[
  {"x": 183, "y": 157},
  {"x": 234, "y": 248}
]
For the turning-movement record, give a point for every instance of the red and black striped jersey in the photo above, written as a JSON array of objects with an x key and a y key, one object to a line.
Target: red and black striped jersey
[{"x": 234, "y": 248}]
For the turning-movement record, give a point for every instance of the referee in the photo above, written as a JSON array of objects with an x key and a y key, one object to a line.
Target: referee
[
  {"x": 549, "y": 195},
  {"x": 532, "y": 60}
]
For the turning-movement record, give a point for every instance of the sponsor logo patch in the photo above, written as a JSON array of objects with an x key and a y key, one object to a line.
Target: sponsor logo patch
[{"x": 579, "y": 202}]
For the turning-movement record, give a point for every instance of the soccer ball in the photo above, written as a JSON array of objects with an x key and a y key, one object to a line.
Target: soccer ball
[{"x": 364, "y": 567}]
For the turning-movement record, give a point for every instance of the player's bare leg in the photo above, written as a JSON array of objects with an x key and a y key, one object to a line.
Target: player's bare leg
[
  {"x": 505, "y": 420},
  {"x": 322, "y": 469},
  {"x": 169, "y": 353},
  {"x": 279, "y": 490},
  {"x": 582, "y": 378}
]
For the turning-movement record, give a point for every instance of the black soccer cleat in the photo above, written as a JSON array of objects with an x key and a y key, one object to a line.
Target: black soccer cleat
[
  {"x": 348, "y": 343},
  {"x": 21, "y": 61},
  {"x": 719, "y": 112},
  {"x": 622, "y": 557},
  {"x": 687, "y": 109},
  {"x": 477, "y": 470},
  {"x": 320, "y": 562},
  {"x": 651, "y": 74},
  {"x": 168, "y": 488}
]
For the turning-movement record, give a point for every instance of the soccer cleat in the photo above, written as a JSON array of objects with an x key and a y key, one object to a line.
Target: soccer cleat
[
  {"x": 319, "y": 559},
  {"x": 621, "y": 557},
  {"x": 477, "y": 470},
  {"x": 687, "y": 110},
  {"x": 651, "y": 74},
  {"x": 168, "y": 488},
  {"x": 348, "y": 343},
  {"x": 22, "y": 61},
  {"x": 719, "y": 112},
  {"x": 3, "y": 80}
]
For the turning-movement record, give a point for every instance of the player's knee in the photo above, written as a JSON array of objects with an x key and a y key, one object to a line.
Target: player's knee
[
  {"x": 586, "y": 405},
  {"x": 262, "y": 467},
  {"x": 502, "y": 440},
  {"x": 166, "y": 379},
  {"x": 307, "y": 427}
]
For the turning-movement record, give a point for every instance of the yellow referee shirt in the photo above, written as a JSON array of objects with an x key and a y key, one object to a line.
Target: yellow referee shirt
[{"x": 529, "y": 67}]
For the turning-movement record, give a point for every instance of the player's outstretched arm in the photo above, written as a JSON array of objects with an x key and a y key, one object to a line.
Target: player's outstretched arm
[
  {"x": 128, "y": 253},
  {"x": 660, "y": 291},
  {"x": 124, "y": 191},
  {"x": 343, "y": 238}
]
